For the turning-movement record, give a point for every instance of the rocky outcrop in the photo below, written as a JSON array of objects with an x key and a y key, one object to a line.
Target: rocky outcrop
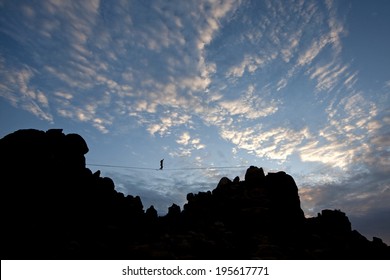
[
  {"x": 254, "y": 175},
  {"x": 53, "y": 207}
]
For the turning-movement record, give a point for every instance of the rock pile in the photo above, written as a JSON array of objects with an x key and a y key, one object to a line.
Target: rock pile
[{"x": 55, "y": 208}]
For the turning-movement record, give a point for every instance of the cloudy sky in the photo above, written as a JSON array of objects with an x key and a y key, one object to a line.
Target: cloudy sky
[{"x": 212, "y": 87}]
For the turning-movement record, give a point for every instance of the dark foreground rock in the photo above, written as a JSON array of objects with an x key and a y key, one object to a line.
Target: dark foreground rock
[{"x": 53, "y": 207}]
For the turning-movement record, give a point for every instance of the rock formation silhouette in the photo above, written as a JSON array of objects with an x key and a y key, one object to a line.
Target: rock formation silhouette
[{"x": 53, "y": 207}]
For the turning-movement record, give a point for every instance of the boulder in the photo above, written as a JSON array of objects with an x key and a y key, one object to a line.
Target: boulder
[{"x": 254, "y": 175}]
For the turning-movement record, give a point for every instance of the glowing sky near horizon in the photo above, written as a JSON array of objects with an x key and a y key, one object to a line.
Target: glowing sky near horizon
[{"x": 300, "y": 86}]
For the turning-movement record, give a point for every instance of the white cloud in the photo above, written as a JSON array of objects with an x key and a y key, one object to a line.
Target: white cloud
[
  {"x": 307, "y": 53},
  {"x": 289, "y": 50},
  {"x": 333, "y": 154},
  {"x": 350, "y": 80},
  {"x": 17, "y": 88},
  {"x": 218, "y": 10},
  {"x": 184, "y": 139},
  {"x": 329, "y": 75},
  {"x": 282, "y": 84},
  {"x": 33, "y": 108},
  {"x": 312, "y": 52},
  {"x": 70, "y": 79},
  {"x": 250, "y": 105},
  {"x": 42, "y": 99},
  {"x": 165, "y": 123},
  {"x": 63, "y": 95},
  {"x": 144, "y": 106},
  {"x": 275, "y": 144},
  {"x": 65, "y": 113},
  {"x": 189, "y": 144},
  {"x": 101, "y": 125},
  {"x": 347, "y": 137},
  {"x": 154, "y": 128},
  {"x": 331, "y": 37},
  {"x": 250, "y": 64}
]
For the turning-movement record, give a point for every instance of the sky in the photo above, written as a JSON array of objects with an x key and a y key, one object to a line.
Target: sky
[{"x": 212, "y": 87}]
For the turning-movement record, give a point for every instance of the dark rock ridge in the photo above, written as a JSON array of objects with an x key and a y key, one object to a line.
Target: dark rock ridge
[{"x": 53, "y": 207}]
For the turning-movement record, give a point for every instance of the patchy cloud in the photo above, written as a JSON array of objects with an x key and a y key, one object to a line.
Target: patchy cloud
[
  {"x": 351, "y": 122},
  {"x": 17, "y": 88}
]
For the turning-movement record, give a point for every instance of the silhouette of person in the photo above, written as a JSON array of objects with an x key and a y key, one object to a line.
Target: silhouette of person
[{"x": 161, "y": 164}]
